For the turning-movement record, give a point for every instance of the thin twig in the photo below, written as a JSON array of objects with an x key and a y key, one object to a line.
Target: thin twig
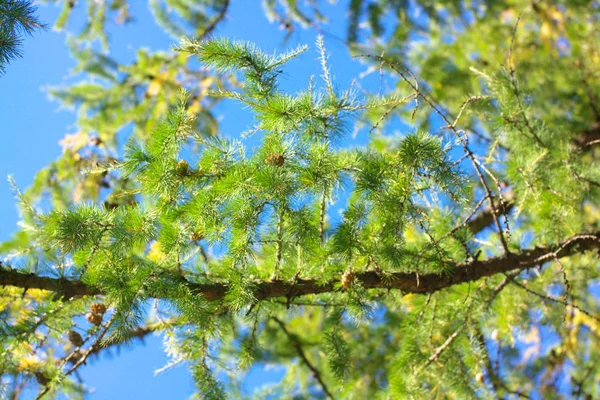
[
  {"x": 462, "y": 140},
  {"x": 211, "y": 27},
  {"x": 515, "y": 86},
  {"x": 441, "y": 349},
  {"x": 555, "y": 300},
  {"x": 298, "y": 346},
  {"x": 84, "y": 356},
  {"x": 496, "y": 381}
]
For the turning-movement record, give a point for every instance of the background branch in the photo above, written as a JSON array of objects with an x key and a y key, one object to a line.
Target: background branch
[{"x": 298, "y": 346}]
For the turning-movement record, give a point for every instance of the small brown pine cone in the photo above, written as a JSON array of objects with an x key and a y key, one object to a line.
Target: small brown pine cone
[
  {"x": 94, "y": 318},
  {"x": 275, "y": 159},
  {"x": 74, "y": 357},
  {"x": 183, "y": 168},
  {"x": 479, "y": 377},
  {"x": 41, "y": 378},
  {"x": 75, "y": 338},
  {"x": 98, "y": 308},
  {"x": 196, "y": 236},
  {"x": 95, "y": 141},
  {"x": 347, "y": 278}
]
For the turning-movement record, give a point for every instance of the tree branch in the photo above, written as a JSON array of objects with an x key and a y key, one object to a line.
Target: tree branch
[
  {"x": 405, "y": 281},
  {"x": 496, "y": 381},
  {"x": 213, "y": 24},
  {"x": 137, "y": 333},
  {"x": 588, "y": 138},
  {"x": 62, "y": 287},
  {"x": 298, "y": 346},
  {"x": 441, "y": 349},
  {"x": 486, "y": 217}
]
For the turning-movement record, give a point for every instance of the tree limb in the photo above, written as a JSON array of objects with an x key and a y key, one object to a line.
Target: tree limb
[
  {"x": 441, "y": 349},
  {"x": 408, "y": 282},
  {"x": 62, "y": 287}
]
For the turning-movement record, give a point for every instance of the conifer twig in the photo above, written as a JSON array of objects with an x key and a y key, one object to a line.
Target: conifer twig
[
  {"x": 589, "y": 137},
  {"x": 579, "y": 382},
  {"x": 479, "y": 222},
  {"x": 462, "y": 140},
  {"x": 84, "y": 355},
  {"x": 555, "y": 300},
  {"x": 298, "y": 346},
  {"x": 279, "y": 245},
  {"x": 495, "y": 380},
  {"x": 322, "y": 218},
  {"x": 213, "y": 24},
  {"x": 515, "y": 87},
  {"x": 441, "y": 349}
]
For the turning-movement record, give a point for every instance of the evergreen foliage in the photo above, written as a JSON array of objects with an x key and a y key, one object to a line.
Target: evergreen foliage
[
  {"x": 456, "y": 259},
  {"x": 16, "y": 19}
]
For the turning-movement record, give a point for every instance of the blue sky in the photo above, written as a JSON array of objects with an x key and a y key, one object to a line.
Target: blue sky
[{"x": 32, "y": 125}]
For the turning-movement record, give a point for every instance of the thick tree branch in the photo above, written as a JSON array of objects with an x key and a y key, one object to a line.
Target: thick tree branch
[
  {"x": 408, "y": 282},
  {"x": 62, "y": 287}
]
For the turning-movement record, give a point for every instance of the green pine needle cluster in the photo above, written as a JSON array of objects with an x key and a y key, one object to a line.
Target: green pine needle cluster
[{"x": 17, "y": 18}]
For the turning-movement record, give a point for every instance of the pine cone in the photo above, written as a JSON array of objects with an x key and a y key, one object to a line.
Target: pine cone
[
  {"x": 275, "y": 159},
  {"x": 74, "y": 357},
  {"x": 347, "y": 278},
  {"x": 41, "y": 378},
  {"x": 495, "y": 335},
  {"x": 183, "y": 168},
  {"x": 479, "y": 377},
  {"x": 94, "y": 318},
  {"x": 75, "y": 338},
  {"x": 98, "y": 308},
  {"x": 96, "y": 141},
  {"x": 197, "y": 236}
]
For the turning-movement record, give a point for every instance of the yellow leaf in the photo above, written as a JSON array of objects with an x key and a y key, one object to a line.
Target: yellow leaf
[
  {"x": 205, "y": 84},
  {"x": 78, "y": 192},
  {"x": 534, "y": 340},
  {"x": 39, "y": 295},
  {"x": 195, "y": 107},
  {"x": 154, "y": 87},
  {"x": 411, "y": 235},
  {"x": 557, "y": 18},
  {"x": 73, "y": 142},
  {"x": 508, "y": 16},
  {"x": 409, "y": 301},
  {"x": 155, "y": 254},
  {"x": 30, "y": 362},
  {"x": 546, "y": 31}
]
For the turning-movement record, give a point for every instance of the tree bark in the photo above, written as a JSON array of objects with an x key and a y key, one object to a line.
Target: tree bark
[{"x": 408, "y": 282}]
